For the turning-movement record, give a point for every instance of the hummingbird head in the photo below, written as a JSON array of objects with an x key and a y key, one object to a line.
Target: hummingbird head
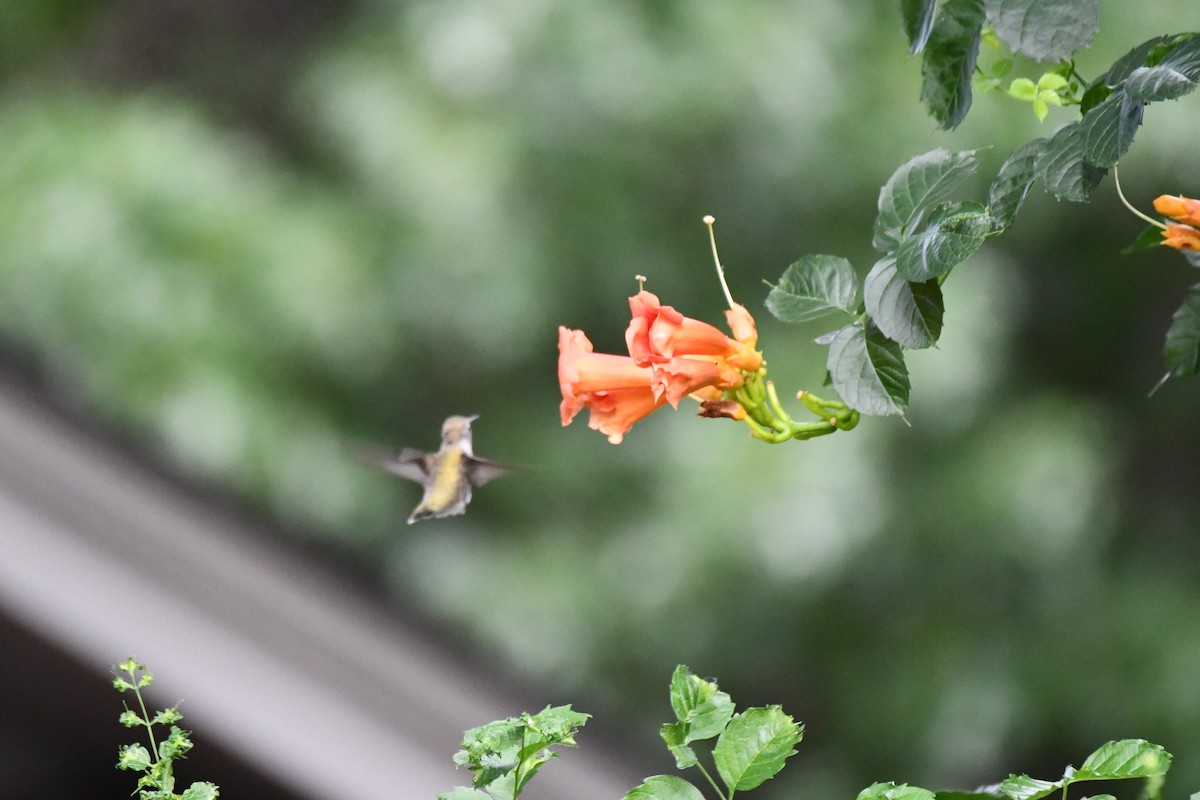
[{"x": 457, "y": 430}]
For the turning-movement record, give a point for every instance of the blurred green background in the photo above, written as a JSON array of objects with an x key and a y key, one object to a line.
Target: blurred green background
[{"x": 247, "y": 233}]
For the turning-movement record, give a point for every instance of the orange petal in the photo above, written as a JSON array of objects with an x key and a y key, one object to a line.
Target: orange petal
[
  {"x": 1182, "y": 237},
  {"x": 1180, "y": 209},
  {"x": 614, "y": 412},
  {"x": 680, "y": 377},
  {"x": 582, "y": 372},
  {"x": 742, "y": 325}
]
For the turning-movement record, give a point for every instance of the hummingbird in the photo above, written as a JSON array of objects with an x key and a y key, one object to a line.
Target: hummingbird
[{"x": 448, "y": 475}]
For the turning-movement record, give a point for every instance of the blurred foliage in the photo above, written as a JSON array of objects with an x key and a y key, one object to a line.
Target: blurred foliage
[{"x": 247, "y": 262}]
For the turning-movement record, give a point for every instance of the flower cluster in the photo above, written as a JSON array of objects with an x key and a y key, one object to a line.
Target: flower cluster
[
  {"x": 1184, "y": 235},
  {"x": 670, "y": 357}
]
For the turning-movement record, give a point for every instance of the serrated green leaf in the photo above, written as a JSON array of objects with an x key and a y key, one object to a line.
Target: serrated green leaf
[
  {"x": 949, "y": 61},
  {"x": 1184, "y": 56},
  {"x": 754, "y": 746},
  {"x": 1023, "y": 787},
  {"x": 909, "y": 313},
  {"x": 1109, "y": 128},
  {"x": 664, "y": 787},
  {"x": 892, "y": 791},
  {"x": 918, "y": 18},
  {"x": 557, "y": 724},
  {"x": 167, "y": 716},
  {"x": 685, "y": 687},
  {"x": 1139, "y": 56},
  {"x": 674, "y": 734},
  {"x": 813, "y": 287},
  {"x": 1062, "y": 168},
  {"x": 915, "y": 188},
  {"x": 937, "y": 249},
  {"x": 1012, "y": 183},
  {"x": 502, "y": 788},
  {"x": 868, "y": 372},
  {"x": 1045, "y": 30},
  {"x": 464, "y": 793},
  {"x": 1127, "y": 758},
  {"x": 201, "y": 790},
  {"x": 134, "y": 757},
  {"x": 1148, "y": 84},
  {"x": 699, "y": 705}
]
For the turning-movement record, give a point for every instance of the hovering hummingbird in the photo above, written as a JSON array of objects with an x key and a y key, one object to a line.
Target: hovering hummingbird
[{"x": 448, "y": 475}]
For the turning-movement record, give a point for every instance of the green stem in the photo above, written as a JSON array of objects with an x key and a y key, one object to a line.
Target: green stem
[
  {"x": 1120, "y": 194},
  {"x": 713, "y": 783},
  {"x": 137, "y": 692},
  {"x": 520, "y": 761}
]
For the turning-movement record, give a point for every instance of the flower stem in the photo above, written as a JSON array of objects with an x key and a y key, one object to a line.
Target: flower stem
[{"x": 1120, "y": 194}]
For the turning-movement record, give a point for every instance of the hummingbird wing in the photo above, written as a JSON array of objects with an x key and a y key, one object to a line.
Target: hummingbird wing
[
  {"x": 410, "y": 463},
  {"x": 481, "y": 470}
]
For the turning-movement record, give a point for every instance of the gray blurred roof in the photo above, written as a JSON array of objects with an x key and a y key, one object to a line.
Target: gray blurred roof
[{"x": 315, "y": 684}]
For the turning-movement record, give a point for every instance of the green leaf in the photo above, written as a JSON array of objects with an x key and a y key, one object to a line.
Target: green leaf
[
  {"x": 949, "y": 61},
  {"x": 1158, "y": 83},
  {"x": 1022, "y": 89},
  {"x": 167, "y": 716},
  {"x": 947, "y": 242},
  {"x": 1045, "y": 30},
  {"x": 134, "y": 757},
  {"x": 1012, "y": 183},
  {"x": 754, "y": 747},
  {"x": 130, "y": 719},
  {"x": 1127, "y": 758},
  {"x": 1023, "y": 787},
  {"x": 1062, "y": 168},
  {"x": 813, "y": 287},
  {"x": 557, "y": 724},
  {"x": 892, "y": 791},
  {"x": 909, "y": 313},
  {"x": 1184, "y": 56},
  {"x": 867, "y": 371},
  {"x": 201, "y": 790},
  {"x": 918, "y": 22},
  {"x": 1151, "y": 237},
  {"x": 675, "y": 736},
  {"x": 982, "y": 793},
  {"x": 464, "y": 793},
  {"x": 914, "y": 188},
  {"x": 1139, "y": 56},
  {"x": 1109, "y": 128},
  {"x": 664, "y": 787},
  {"x": 699, "y": 705}
]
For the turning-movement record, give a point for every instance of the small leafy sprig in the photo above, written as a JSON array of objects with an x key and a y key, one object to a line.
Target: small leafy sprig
[
  {"x": 507, "y": 753},
  {"x": 156, "y": 763},
  {"x": 750, "y": 749},
  {"x": 1114, "y": 761}
]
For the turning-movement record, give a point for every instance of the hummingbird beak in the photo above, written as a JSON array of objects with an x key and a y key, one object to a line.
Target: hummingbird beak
[{"x": 472, "y": 418}]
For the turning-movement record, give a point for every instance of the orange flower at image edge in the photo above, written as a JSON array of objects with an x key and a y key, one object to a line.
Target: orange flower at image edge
[
  {"x": 1181, "y": 237},
  {"x": 1180, "y": 209},
  {"x": 1186, "y": 213}
]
